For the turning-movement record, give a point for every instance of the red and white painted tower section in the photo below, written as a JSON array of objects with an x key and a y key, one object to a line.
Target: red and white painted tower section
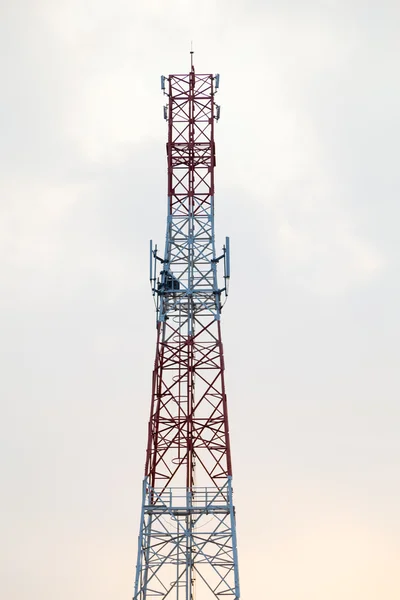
[{"x": 187, "y": 540}]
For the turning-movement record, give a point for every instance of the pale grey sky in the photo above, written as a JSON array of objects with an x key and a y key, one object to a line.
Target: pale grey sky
[{"x": 307, "y": 188}]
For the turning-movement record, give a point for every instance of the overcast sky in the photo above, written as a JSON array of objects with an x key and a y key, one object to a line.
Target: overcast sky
[{"x": 308, "y": 189}]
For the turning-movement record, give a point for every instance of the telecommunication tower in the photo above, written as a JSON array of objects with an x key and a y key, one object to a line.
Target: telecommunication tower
[{"x": 187, "y": 540}]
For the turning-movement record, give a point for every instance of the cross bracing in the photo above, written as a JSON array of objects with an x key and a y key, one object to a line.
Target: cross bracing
[
  {"x": 187, "y": 540},
  {"x": 187, "y": 531}
]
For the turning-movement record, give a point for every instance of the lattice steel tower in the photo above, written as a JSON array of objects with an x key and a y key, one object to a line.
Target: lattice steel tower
[{"x": 187, "y": 540}]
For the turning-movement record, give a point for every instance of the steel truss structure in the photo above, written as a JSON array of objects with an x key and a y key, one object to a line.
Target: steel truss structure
[{"x": 187, "y": 540}]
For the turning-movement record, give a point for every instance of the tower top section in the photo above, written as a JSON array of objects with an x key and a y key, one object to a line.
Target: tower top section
[{"x": 190, "y": 113}]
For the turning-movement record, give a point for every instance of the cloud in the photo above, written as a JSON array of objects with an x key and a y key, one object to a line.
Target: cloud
[
  {"x": 307, "y": 186},
  {"x": 317, "y": 246}
]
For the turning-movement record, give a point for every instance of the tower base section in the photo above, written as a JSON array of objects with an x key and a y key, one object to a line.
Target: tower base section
[{"x": 187, "y": 544}]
